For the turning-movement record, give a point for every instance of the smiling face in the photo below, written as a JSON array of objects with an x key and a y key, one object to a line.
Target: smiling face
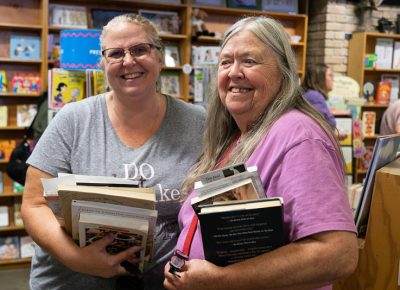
[
  {"x": 248, "y": 78},
  {"x": 131, "y": 77},
  {"x": 329, "y": 79}
]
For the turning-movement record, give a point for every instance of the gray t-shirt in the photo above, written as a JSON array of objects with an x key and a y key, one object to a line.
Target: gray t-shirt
[{"x": 81, "y": 140}]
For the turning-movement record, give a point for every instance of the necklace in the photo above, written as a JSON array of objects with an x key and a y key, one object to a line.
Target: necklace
[{"x": 136, "y": 137}]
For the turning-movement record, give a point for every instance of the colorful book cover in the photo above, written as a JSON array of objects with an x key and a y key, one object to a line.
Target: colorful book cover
[
  {"x": 4, "y": 217},
  {"x": 9, "y": 248},
  {"x": 3, "y": 81},
  {"x": 6, "y": 148},
  {"x": 26, "y": 83},
  {"x": 383, "y": 93},
  {"x": 368, "y": 123},
  {"x": 99, "y": 82},
  {"x": 80, "y": 49},
  {"x": 24, "y": 46},
  {"x": 26, "y": 114},
  {"x": 66, "y": 87},
  {"x": 3, "y": 116}
]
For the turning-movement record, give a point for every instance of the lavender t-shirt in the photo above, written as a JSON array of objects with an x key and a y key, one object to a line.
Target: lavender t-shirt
[{"x": 296, "y": 160}]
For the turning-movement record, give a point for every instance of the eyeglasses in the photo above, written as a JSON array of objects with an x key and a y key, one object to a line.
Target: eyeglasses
[{"x": 138, "y": 51}]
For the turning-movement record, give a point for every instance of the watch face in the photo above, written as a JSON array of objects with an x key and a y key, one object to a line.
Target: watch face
[{"x": 177, "y": 262}]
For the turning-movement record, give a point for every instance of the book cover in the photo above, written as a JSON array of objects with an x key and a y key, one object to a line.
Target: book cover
[
  {"x": 236, "y": 231},
  {"x": 25, "y": 46},
  {"x": 128, "y": 232},
  {"x": 344, "y": 126},
  {"x": 386, "y": 149},
  {"x": 384, "y": 52},
  {"x": 80, "y": 49},
  {"x": 81, "y": 206},
  {"x": 3, "y": 81},
  {"x": 68, "y": 16},
  {"x": 135, "y": 197},
  {"x": 100, "y": 17},
  {"x": 394, "y": 81},
  {"x": 4, "y": 216},
  {"x": 204, "y": 188},
  {"x": 383, "y": 92},
  {"x": 17, "y": 214},
  {"x": 3, "y": 116},
  {"x": 167, "y": 22},
  {"x": 66, "y": 87},
  {"x": 9, "y": 248},
  {"x": 26, "y": 83},
  {"x": 368, "y": 123},
  {"x": 27, "y": 247},
  {"x": 1, "y": 183},
  {"x": 171, "y": 56},
  {"x": 243, "y": 189},
  {"x": 6, "y": 148},
  {"x": 170, "y": 83},
  {"x": 26, "y": 114}
]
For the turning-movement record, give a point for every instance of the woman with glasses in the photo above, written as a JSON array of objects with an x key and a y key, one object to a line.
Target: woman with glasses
[{"x": 131, "y": 132}]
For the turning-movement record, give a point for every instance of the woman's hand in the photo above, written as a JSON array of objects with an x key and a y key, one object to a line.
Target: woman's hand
[
  {"x": 94, "y": 259},
  {"x": 196, "y": 274}
]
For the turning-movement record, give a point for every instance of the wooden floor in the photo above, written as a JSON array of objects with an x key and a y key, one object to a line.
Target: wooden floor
[{"x": 15, "y": 279}]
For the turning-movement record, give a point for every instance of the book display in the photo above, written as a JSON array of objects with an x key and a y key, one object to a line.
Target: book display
[
  {"x": 378, "y": 78},
  {"x": 22, "y": 80}
]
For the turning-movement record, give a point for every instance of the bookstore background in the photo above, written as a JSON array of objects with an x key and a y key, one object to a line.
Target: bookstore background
[{"x": 359, "y": 40}]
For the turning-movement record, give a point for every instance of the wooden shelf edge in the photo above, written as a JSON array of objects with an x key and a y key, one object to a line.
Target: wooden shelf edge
[
  {"x": 27, "y": 61},
  {"x": 12, "y": 228},
  {"x": 15, "y": 263},
  {"x": 10, "y": 194},
  {"x": 20, "y": 26},
  {"x": 17, "y": 95},
  {"x": 12, "y": 128}
]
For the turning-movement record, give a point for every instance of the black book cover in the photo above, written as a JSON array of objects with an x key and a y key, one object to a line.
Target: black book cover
[{"x": 234, "y": 235}]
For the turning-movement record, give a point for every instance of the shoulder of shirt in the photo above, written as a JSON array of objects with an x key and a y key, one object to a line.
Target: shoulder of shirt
[{"x": 180, "y": 105}]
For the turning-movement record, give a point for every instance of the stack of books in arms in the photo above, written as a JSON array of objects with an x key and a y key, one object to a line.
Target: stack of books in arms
[
  {"x": 90, "y": 207},
  {"x": 237, "y": 221}
]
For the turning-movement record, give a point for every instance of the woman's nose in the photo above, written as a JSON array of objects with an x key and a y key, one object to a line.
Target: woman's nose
[{"x": 235, "y": 71}]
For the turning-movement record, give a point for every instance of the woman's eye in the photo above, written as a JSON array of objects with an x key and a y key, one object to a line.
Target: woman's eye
[
  {"x": 249, "y": 61},
  {"x": 224, "y": 63}
]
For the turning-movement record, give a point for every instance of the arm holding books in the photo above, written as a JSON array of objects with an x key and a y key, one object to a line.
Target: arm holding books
[
  {"x": 311, "y": 261},
  {"x": 42, "y": 225}
]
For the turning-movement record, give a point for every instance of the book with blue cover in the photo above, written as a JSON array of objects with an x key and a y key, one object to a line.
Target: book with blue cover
[
  {"x": 80, "y": 49},
  {"x": 25, "y": 46}
]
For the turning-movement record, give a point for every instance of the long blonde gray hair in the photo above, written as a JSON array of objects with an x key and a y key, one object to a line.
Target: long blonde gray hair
[{"x": 221, "y": 128}]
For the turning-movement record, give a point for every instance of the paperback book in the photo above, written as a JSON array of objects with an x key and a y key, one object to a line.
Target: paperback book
[
  {"x": 239, "y": 230},
  {"x": 27, "y": 247},
  {"x": 128, "y": 232},
  {"x": 9, "y": 248},
  {"x": 25, "y": 46},
  {"x": 3, "y": 116},
  {"x": 170, "y": 83},
  {"x": 26, "y": 114},
  {"x": 115, "y": 212}
]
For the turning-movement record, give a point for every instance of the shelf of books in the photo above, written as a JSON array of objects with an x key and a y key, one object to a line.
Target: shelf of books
[
  {"x": 377, "y": 71},
  {"x": 32, "y": 33}
]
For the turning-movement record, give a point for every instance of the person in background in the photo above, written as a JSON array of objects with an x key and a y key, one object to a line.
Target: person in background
[
  {"x": 317, "y": 83},
  {"x": 390, "y": 123},
  {"x": 131, "y": 132},
  {"x": 258, "y": 115}
]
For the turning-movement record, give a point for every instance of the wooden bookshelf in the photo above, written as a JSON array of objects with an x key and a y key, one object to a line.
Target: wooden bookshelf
[{"x": 31, "y": 17}]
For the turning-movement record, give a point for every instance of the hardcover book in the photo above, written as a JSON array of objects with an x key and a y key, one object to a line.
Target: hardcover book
[
  {"x": 171, "y": 56},
  {"x": 235, "y": 231},
  {"x": 4, "y": 217},
  {"x": 387, "y": 149},
  {"x": 384, "y": 52},
  {"x": 17, "y": 214},
  {"x": 167, "y": 22},
  {"x": 25, "y": 46},
  {"x": 3, "y": 81},
  {"x": 128, "y": 232},
  {"x": 9, "y": 248},
  {"x": 344, "y": 126}
]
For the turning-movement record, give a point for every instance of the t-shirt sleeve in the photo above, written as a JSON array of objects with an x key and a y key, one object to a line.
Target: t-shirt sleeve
[
  {"x": 311, "y": 183},
  {"x": 52, "y": 153}
]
